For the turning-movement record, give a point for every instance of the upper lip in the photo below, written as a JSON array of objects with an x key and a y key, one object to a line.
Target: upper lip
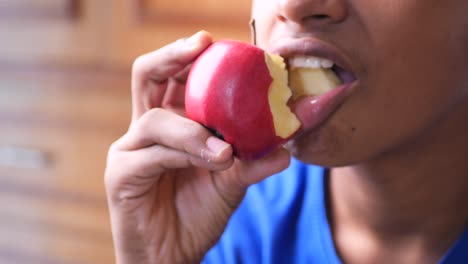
[{"x": 288, "y": 48}]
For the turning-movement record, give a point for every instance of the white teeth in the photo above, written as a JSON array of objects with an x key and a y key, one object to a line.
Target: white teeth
[
  {"x": 326, "y": 63},
  {"x": 309, "y": 62},
  {"x": 296, "y": 62},
  {"x": 312, "y": 62}
]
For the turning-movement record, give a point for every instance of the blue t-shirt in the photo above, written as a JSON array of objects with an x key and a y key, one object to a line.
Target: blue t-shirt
[{"x": 283, "y": 219}]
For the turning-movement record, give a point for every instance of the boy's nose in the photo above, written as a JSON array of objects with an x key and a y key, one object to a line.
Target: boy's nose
[{"x": 307, "y": 12}]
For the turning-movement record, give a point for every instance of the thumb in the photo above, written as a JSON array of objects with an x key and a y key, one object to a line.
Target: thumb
[
  {"x": 232, "y": 186},
  {"x": 255, "y": 171}
]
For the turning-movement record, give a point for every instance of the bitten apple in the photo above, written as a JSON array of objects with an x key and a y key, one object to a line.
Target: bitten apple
[{"x": 241, "y": 93}]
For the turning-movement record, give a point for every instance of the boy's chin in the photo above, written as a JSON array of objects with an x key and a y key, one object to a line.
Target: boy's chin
[{"x": 311, "y": 150}]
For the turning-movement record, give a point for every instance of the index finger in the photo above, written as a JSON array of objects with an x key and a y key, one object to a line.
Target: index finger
[{"x": 152, "y": 71}]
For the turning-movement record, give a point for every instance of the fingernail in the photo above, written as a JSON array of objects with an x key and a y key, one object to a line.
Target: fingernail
[{"x": 216, "y": 145}]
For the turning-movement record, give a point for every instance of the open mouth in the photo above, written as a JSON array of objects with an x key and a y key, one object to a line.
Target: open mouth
[
  {"x": 319, "y": 86},
  {"x": 315, "y": 75}
]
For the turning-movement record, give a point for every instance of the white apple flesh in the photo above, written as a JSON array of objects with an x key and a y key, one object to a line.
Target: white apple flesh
[{"x": 312, "y": 81}]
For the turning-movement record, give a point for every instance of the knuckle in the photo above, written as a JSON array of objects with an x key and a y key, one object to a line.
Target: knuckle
[
  {"x": 193, "y": 130},
  {"x": 150, "y": 118},
  {"x": 149, "y": 125},
  {"x": 138, "y": 64},
  {"x": 114, "y": 156},
  {"x": 155, "y": 112},
  {"x": 119, "y": 144},
  {"x": 111, "y": 176},
  {"x": 114, "y": 147},
  {"x": 194, "y": 136}
]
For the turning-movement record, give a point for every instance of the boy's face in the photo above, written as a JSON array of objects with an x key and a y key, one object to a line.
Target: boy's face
[{"x": 409, "y": 58}]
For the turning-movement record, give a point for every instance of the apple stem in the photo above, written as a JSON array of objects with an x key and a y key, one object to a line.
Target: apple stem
[{"x": 253, "y": 31}]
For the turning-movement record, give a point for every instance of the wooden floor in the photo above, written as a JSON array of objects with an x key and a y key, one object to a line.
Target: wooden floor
[{"x": 55, "y": 128}]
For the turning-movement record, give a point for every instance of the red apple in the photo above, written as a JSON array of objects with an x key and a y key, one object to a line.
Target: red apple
[{"x": 241, "y": 92}]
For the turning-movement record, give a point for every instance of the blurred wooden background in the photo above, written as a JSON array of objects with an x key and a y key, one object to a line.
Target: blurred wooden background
[{"x": 64, "y": 97}]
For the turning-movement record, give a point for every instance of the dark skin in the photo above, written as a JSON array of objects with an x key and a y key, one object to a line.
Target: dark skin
[
  {"x": 403, "y": 188},
  {"x": 396, "y": 145}
]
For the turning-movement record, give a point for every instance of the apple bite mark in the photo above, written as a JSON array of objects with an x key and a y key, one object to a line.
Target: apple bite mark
[{"x": 285, "y": 121}]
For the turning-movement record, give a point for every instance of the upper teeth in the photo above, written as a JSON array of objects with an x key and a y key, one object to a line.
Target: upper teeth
[{"x": 309, "y": 62}]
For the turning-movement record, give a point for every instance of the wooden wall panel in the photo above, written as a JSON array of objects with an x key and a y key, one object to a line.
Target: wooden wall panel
[
  {"x": 204, "y": 11},
  {"x": 140, "y": 26},
  {"x": 53, "y": 32},
  {"x": 109, "y": 33},
  {"x": 57, "y": 212},
  {"x": 45, "y": 9}
]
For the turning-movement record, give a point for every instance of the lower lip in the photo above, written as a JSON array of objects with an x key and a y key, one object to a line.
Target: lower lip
[{"x": 312, "y": 111}]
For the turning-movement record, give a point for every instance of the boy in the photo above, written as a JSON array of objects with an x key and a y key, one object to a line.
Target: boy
[{"x": 396, "y": 186}]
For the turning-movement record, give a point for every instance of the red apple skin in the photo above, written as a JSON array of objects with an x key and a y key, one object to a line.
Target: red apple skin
[{"x": 227, "y": 91}]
